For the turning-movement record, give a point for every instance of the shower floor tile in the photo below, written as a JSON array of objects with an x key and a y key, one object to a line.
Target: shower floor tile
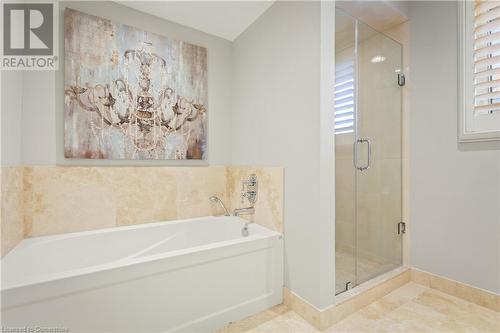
[{"x": 411, "y": 308}]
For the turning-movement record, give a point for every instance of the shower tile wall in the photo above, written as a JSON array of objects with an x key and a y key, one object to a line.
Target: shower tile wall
[{"x": 42, "y": 200}]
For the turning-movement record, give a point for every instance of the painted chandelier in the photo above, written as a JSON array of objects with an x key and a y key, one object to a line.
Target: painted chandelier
[{"x": 146, "y": 114}]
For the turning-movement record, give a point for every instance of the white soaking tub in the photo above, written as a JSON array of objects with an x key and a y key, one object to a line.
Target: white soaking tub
[{"x": 192, "y": 276}]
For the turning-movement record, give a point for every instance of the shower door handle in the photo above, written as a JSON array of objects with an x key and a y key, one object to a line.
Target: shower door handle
[
  {"x": 369, "y": 154},
  {"x": 355, "y": 155}
]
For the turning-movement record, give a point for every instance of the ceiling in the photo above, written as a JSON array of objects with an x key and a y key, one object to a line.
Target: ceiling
[
  {"x": 225, "y": 19},
  {"x": 374, "y": 17},
  {"x": 380, "y": 15}
]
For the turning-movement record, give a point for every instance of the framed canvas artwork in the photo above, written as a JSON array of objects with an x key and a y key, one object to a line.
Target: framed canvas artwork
[{"x": 132, "y": 94}]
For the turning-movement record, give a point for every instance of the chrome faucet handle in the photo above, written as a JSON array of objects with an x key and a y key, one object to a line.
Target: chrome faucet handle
[{"x": 249, "y": 188}]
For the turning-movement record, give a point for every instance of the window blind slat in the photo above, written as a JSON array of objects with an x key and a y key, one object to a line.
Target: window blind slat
[
  {"x": 344, "y": 65},
  {"x": 489, "y": 95},
  {"x": 484, "y": 40},
  {"x": 487, "y": 73},
  {"x": 344, "y": 126},
  {"x": 344, "y": 86},
  {"x": 343, "y": 72},
  {"x": 487, "y": 16},
  {"x": 493, "y": 84},
  {"x": 349, "y": 106},
  {"x": 486, "y": 28},
  {"x": 345, "y": 93},
  {"x": 344, "y": 100},
  {"x": 487, "y": 50},
  {"x": 484, "y": 6},
  {"x": 487, "y": 108},
  {"x": 344, "y": 123},
  {"x": 344, "y": 78},
  {"x": 490, "y": 61}
]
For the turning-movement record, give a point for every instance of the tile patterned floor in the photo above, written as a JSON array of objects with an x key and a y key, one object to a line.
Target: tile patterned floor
[{"x": 411, "y": 308}]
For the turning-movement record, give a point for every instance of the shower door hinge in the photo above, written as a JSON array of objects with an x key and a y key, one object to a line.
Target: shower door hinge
[
  {"x": 401, "y": 228},
  {"x": 401, "y": 80}
]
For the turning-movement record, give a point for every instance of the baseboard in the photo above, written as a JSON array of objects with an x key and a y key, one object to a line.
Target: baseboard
[
  {"x": 305, "y": 309},
  {"x": 458, "y": 289}
]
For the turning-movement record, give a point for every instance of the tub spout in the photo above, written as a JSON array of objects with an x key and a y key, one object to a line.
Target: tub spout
[
  {"x": 244, "y": 211},
  {"x": 244, "y": 230}
]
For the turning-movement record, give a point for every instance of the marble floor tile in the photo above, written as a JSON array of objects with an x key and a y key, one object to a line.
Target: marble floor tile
[
  {"x": 411, "y": 308},
  {"x": 276, "y": 319}
]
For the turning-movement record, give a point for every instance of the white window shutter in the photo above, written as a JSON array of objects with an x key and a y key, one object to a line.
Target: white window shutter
[
  {"x": 486, "y": 57},
  {"x": 344, "y": 98}
]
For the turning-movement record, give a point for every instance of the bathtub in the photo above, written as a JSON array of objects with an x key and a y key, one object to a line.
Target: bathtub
[{"x": 193, "y": 275}]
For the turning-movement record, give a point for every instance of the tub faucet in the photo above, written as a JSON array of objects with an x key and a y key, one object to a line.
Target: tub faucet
[
  {"x": 244, "y": 211},
  {"x": 215, "y": 199},
  {"x": 244, "y": 230}
]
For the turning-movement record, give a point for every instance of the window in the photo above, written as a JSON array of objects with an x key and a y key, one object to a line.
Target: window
[
  {"x": 487, "y": 57},
  {"x": 344, "y": 97},
  {"x": 480, "y": 70}
]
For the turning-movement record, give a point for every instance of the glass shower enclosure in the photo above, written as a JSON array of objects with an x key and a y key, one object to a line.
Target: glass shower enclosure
[{"x": 368, "y": 152}]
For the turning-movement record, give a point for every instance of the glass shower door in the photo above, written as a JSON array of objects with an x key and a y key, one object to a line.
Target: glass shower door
[
  {"x": 378, "y": 154},
  {"x": 345, "y": 174},
  {"x": 368, "y": 158}
]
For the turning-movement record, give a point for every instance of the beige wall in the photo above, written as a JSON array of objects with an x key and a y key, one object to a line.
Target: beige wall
[{"x": 40, "y": 200}]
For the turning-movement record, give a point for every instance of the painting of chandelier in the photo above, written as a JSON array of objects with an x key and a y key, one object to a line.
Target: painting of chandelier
[{"x": 131, "y": 94}]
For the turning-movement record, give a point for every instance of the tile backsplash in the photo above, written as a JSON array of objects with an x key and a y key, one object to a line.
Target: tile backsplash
[
  {"x": 45, "y": 200},
  {"x": 269, "y": 205}
]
